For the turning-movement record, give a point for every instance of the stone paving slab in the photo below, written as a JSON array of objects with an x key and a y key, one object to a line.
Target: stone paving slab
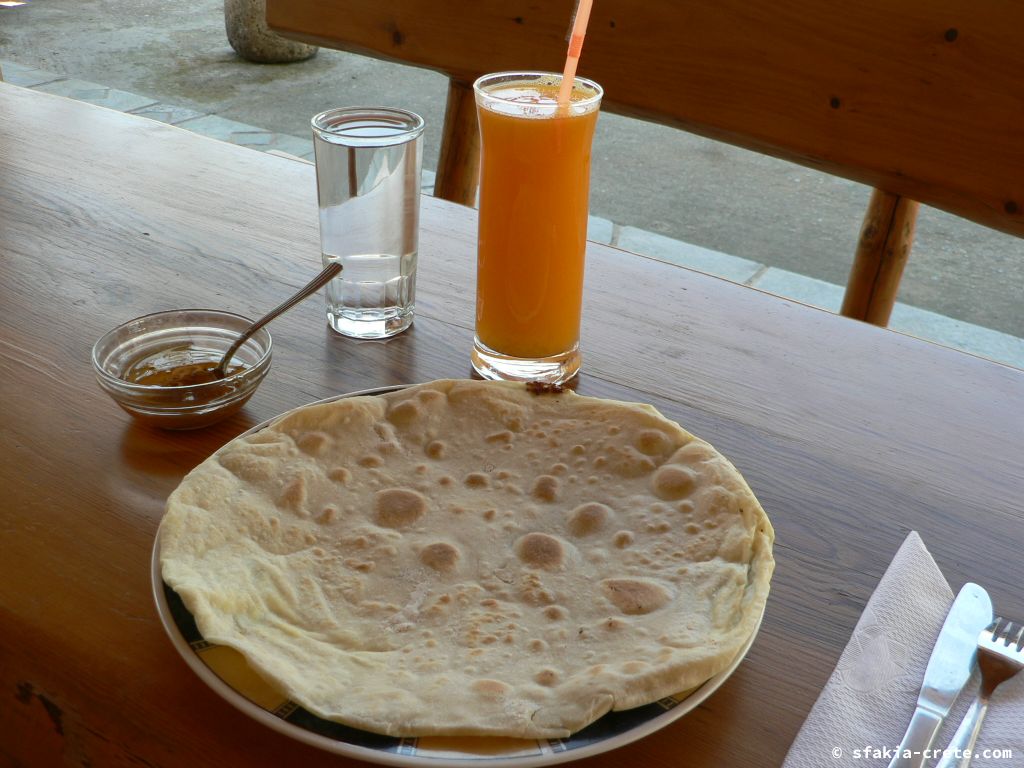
[
  {"x": 427, "y": 182},
  {"x": 26, "y": 77},
  {"x": 600, "y": 230},
  {"x": 663, "y": 248},
  {"x": 985, "y": 342},
  {"x": 167, "y": 113},
  {"x": 82, "y": 90},
  {"x": 806, "y": 290},
  {"x": 234, "y": 132}
]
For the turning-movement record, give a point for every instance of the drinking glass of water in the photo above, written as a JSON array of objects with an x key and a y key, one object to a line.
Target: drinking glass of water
[{"x": 368, "y": 165}]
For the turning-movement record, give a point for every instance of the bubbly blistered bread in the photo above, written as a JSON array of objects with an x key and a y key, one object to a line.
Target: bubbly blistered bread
[{"x": 465, "y": 557}]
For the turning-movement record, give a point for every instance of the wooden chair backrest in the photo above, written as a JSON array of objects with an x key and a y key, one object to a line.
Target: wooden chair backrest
[{"x": 921, "y": 99}]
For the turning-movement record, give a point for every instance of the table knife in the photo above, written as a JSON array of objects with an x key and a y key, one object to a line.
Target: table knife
[{"x": 949, "y": 668}]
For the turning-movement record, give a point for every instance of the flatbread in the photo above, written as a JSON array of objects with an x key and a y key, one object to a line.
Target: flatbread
[{"x": 468, "y": 558}]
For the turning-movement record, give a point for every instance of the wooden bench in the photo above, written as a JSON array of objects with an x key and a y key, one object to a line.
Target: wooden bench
[{"x": 921, "y": 100}]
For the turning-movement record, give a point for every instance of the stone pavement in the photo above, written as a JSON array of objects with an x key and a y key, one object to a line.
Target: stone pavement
[{"x": 985, "y": 342}]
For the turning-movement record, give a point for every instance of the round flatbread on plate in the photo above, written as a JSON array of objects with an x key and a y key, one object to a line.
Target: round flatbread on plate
[{"x": 468, "y": 558}]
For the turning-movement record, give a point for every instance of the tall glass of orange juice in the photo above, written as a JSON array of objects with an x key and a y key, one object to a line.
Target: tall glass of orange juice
[{"x": 534, "y": 191}]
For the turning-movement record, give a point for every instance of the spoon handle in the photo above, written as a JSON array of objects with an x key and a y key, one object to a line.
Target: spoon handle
[{"x": 329, "y": 272}]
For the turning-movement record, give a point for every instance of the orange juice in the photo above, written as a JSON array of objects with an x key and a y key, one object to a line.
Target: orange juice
[{"x": 534, "y": 190}]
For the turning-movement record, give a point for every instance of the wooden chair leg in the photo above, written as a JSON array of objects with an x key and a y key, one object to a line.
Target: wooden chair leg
[
  {"x": 458, "y": 168},
  {"x": 886, "y": 238}
]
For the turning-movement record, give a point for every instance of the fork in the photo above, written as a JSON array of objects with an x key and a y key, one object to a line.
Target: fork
[{"x": 1000, "y": 657}]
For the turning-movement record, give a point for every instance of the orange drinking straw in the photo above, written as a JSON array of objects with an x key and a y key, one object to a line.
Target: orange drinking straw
[{"x": 579, "y": 30}]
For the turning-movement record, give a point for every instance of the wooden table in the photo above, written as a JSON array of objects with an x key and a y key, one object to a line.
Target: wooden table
[{"x": 849, "y": 434}]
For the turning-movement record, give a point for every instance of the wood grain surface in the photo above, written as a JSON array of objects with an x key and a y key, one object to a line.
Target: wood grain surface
[
  {"x": 850, "y": 435},
  {"x": 886, "y": 237},
  {"x": 458, "y": 166},
  {"x": 921, "y": 98}
]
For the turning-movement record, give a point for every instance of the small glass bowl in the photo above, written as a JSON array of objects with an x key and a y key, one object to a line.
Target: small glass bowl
[{"x": 164, "y": 340}]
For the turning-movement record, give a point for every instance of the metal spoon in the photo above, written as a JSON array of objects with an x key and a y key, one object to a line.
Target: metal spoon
[{"x": 314, "y": 285}]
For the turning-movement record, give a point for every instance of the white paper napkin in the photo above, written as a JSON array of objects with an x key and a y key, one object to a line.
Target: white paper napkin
[{"x": 867, "y": 703}]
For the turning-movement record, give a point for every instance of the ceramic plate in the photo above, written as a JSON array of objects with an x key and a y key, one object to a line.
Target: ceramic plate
[{"x": 225, "y": 671}]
